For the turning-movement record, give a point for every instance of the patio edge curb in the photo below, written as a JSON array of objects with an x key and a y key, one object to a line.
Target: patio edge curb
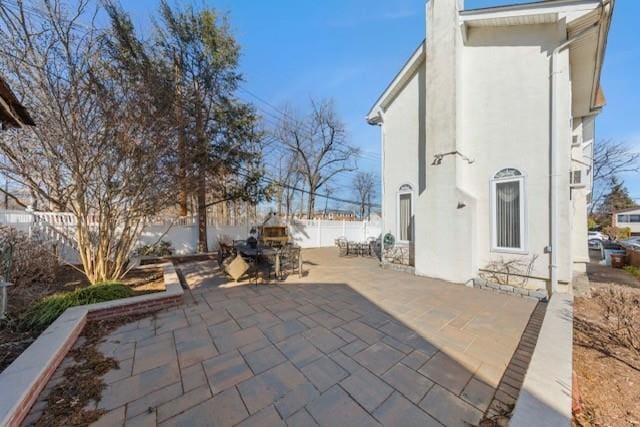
[
  {"x": 23, "y": 380},
  {"x": 546, "y": 394}
]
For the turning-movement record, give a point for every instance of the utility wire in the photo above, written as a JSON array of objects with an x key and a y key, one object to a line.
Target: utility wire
[
  {"x": 274, "y": 181},
  {"x": 280, "y": 114}
]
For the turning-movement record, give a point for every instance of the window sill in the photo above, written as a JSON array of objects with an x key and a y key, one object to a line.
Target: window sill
[{"x": 510, "y": 251}]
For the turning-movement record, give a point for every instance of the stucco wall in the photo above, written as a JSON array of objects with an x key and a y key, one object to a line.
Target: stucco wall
[
  {"x": 505, "y": 122},
  {"x": 581, "y": 154},
  {"x": 402, "y": 133},
  {"x": 488, "y": 98}
]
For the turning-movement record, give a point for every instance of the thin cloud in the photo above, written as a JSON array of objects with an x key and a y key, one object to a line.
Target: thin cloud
[{"x": 367, "y": 19}]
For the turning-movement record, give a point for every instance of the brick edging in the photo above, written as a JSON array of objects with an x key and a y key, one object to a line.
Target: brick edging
[
  {"x": 23, "y": 380},
  {"x": 546, "y": 394},
  {"x": 576, "y": 400}
]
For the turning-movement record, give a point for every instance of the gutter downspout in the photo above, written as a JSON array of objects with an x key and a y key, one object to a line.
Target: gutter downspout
[
  {"x": 555, "y": 154},
  {"x": 382, "y": 178}
]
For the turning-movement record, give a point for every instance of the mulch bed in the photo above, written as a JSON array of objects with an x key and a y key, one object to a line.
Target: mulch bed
[
  {"x": 180, "y": 259},
  {"x": 607, "y": 372},
  {"x": 14, "y": 339},
  {"x": 71, "y": 403}
]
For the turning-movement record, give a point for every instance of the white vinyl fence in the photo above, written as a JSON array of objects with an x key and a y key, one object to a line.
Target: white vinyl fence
[
  {"x": 183, "y": 232},
  {"x": 305, "y": 233},
  {"x": 323, "y": 233}
]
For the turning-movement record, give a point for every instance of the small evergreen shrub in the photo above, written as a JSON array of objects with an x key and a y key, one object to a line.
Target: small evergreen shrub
[{"x": 46, "y": 311}]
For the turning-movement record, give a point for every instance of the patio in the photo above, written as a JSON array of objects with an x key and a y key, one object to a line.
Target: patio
[{"x": 346, "y": 344}]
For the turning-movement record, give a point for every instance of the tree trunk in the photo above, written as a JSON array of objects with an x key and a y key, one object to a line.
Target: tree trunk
[
  {"x": 202, "y": 212},
  {"x": 182, "y": 174},
  {"x": 182, "y": 148},
  {"x": 310, "y": 205},
  {"x": 312, "y": 198},
  {"x": 280, "y": 197}
]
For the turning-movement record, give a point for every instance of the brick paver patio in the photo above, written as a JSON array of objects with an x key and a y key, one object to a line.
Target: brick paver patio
[{"x": 348, "y": 344}]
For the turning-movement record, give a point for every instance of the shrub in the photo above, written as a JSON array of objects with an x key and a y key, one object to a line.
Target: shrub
[
  {"x": 46, "y": 311},
  {"x": 26, "y": 260},
  {"x": 621, "y": 310},
  {"x": 618, "y": 233},
  {"x": 162, "y": 248},
  {"x": 633, "y": 270},
  {"x": 513, "y": 272}
]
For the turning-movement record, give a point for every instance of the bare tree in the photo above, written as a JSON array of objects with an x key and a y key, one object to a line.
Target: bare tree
[
  {"x": 320, "y": 144},
  {"x": 286, "y": 175},
  {"x": 364, "y": 184},
  {"x": 610, "y": 159},
  {"x": 99, "y": 146}
]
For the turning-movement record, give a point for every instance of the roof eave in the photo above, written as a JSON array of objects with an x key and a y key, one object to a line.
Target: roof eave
[
  {"x": 527, "y": 7},
  {"x": 374, "y": 116},
  {"x": 598, "y": 100}
]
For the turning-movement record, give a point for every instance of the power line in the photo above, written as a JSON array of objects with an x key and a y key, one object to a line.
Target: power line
[
  {"x": 274, "y": 181},
  {"x": 280, "y": 114}
]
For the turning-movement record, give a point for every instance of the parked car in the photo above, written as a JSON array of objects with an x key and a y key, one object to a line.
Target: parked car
[
  {"x": 633, "y": 242},
  {"x": 595, "y": 239}
]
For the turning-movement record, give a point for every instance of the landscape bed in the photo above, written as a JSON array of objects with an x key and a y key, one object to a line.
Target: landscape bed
[
  {"x": 23, "y": 380},
  {"x": 606, "y": 365},
  {"x": 17, "y": 332}
]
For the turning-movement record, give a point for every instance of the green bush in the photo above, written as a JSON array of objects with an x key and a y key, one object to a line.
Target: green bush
[
  {"x": 162, "y": 248},
  {"x": 633, "y": 270},
  {"x": 46, "y": 311}
]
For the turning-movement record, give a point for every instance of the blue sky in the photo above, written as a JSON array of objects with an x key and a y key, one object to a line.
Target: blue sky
[{"x": 350, "y": 50}]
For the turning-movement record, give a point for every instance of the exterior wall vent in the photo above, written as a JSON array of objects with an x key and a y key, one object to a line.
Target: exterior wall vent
[{"x": 576, "y": 179}]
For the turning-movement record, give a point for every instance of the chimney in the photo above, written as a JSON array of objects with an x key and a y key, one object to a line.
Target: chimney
[
  {"x": 442, "y": 38},
  {"x": 444, "y": 205}
]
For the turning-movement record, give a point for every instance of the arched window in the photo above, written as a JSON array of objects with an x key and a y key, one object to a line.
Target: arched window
[
  {"x": 405, "y": 213},
  {"x": 508, "y": 211}
]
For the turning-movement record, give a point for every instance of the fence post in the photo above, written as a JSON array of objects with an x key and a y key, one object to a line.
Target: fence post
[{"x": 319, "y": 235}]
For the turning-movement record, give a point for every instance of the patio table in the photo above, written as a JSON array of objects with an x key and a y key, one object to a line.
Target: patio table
[{"x": 252, "y": 252}]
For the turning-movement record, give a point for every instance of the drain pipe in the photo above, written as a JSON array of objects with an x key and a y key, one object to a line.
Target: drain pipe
[{"x": 555, "y": 152}]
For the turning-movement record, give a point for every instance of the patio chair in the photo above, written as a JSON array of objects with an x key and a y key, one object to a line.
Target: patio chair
[
  {"x": 264, "y": 267},
  {"x": 363, "y": 249},
  {"x": 371, "y": 245},
  {"x": 374, "y": 246},
  {"x": 290, "y": 261},
  {"x": 225, "y": 254},
  {"x": 343, "y": 246}
]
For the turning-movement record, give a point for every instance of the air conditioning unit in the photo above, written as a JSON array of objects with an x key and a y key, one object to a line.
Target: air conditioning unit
[
  {"x": 576, "y": 179},
  {"x": 576, "y": 141}
]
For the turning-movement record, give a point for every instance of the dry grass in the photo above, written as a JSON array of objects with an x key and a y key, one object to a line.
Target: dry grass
[{"x": 606, "y": 357}]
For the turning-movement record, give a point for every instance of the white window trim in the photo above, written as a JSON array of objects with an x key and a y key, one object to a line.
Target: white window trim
[
  {"x": 522, "y": 250},
  {"x": 400, "y": 192}
]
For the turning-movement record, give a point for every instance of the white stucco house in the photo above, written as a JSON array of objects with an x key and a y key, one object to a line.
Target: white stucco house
[
  {"x": 627, "y": 218},
  {"x": 487, "y": 136}
]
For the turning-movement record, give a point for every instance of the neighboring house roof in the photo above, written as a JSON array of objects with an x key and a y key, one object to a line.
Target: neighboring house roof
[
  {"x": 635, "y": 208},
  {"x": 579, "y": 14},
  {"x": 396, "y": 84},
  {"x": 12, "y": 113}
]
